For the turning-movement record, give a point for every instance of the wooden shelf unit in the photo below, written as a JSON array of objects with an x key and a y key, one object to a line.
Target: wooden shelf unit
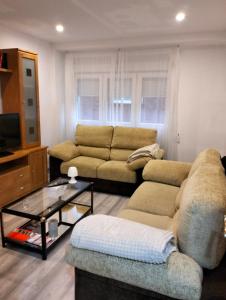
[
  {"x": 25, "y": 170},
  {"x": 22, "y": 173},
  {"x": 19, "y": 87}
]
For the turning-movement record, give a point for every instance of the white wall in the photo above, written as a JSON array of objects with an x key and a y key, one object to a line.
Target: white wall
[
  {"x": 202, "y": 101},
  {"x": 51, "y": 82},
  {"x": 202, "y": 94}
]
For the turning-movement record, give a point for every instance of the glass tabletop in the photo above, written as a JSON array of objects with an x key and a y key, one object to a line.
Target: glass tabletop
[{"x": 48, "y": 199}]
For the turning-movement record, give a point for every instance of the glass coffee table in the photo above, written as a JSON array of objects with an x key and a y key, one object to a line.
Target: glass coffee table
[{"x": 26, "y": 222}]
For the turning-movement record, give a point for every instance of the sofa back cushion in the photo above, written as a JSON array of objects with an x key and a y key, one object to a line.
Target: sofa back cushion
[
  {"x": 96, "y": 152},
  {"x": 132, "y": 138},
  {"x": 200, "y": 228},
  {"x": 94, "y": 136},
  {"x": 206, "y": 156},
  {"x": 120, "y": 154}
]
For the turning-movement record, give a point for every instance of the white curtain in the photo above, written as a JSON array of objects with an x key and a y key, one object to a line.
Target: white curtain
[{"x": 125, "y": 87}]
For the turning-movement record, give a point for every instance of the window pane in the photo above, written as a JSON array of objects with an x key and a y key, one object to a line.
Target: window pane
[
  {"x": 88, "y": 108},
  {"x": 152, "y": 110},
  {"x": 120, "y": 100},
  {"x": 88, "y": 87},
  {"x": 88, "y": 99},
  {"x": 153, "y": 100}
]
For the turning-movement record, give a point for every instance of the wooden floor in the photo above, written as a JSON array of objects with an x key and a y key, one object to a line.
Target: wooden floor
[{"x": 25, "y": 276}]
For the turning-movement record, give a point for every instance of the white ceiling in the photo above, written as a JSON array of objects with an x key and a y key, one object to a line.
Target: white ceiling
[{"x": 90, "y": 20}]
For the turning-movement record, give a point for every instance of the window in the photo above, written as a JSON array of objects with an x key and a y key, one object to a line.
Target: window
[
  {"x": 127, "y": 87},
  {"x": 136, "y": 100},
  {"x": 153, "y": 98}
]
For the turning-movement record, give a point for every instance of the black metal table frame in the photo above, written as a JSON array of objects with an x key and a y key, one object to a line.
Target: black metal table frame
[{"x": 43, "y": 249}]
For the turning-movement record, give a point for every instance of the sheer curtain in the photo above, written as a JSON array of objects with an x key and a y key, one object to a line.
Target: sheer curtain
[{"x": 124, "y": 87}]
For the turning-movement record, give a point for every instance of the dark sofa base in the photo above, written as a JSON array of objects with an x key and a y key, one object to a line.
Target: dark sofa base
[
  {"x": 89, "y": 286},
  {"x": 100, "y": 185},
  {"x": 92, "y": 286}
]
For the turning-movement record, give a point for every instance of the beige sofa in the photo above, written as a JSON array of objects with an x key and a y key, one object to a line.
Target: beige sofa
[
  {"x": 188, "y": 199},
  {"x": 100, "y": 153}
]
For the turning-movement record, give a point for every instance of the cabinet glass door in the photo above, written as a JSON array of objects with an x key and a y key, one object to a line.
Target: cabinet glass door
[{"x": 30, "y": 101}]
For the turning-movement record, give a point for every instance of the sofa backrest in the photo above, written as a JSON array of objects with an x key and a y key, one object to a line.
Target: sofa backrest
[
  {"x": 116, "y": 143},
  {"x": 94, "y": 141},
  {"x": 94, "y": 136},
  {"x": 127, "y": 139},
  {"x": 200, "y": 221},
  {"x": 206, "y": 156},
  {"x": 132, "y": 138},
  {"x": 120, "y": 154}
]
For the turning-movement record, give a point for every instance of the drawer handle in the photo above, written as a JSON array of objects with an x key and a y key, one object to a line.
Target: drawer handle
[
  {"x": 21, "y": 188},
  {"x": 21, "y": 175}
]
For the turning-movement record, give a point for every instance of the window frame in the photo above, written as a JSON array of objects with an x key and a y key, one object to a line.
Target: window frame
[{"x": 86, "y": 76}]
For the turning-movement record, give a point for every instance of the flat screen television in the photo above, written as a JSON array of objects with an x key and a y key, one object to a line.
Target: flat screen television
[{"x": 9, "y": 133}]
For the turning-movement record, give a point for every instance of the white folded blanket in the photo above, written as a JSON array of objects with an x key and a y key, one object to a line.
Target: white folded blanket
[
  {"x": 153, "y": 151},
  {"x": 123, "y": 238}
]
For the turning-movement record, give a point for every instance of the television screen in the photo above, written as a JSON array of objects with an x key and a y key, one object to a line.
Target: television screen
[{"x": 9, "y": 132}]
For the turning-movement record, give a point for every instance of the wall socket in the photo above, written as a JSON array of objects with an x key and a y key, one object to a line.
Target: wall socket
[{"x": 178, "y": 138}]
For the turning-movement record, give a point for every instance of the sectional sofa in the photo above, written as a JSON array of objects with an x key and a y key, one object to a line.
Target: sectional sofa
[
  {"x": 188, "y": 199},
  {"x": 100, "y": 154}
]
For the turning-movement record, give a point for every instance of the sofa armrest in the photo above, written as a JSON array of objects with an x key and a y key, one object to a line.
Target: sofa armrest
[
  {"x": 180, "y": 277},
  {"x": 166, "y": 171},
  {"x": 64, "y": 151}
]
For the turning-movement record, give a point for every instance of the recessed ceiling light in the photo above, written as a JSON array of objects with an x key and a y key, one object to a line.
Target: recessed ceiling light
[
  {"x": 180, "y": 16},
  {"x": 59, "y": 28}
]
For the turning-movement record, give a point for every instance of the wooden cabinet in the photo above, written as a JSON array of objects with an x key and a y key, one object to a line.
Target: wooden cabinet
[
  {"x": 20, "y": 93},
  {"x": 22, "y": 173},
  {"x": 25, "y": 170},
  {"x": 38, "y": 164}
]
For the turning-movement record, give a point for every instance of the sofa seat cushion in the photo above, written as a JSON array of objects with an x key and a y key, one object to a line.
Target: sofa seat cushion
[
  {"x": 161, "y": 222},
  {"x": 96, "y": 152},
  {"x": 180, "y": 277},
  {"x": 132, "y": 138},
  {"x": 116, "y": 171},
  {"x": 155, "y": 198},
  {"x": 94, "y": 136},
  {"x": 87, "y": 166}
]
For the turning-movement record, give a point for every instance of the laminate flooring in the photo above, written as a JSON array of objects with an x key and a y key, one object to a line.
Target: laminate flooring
[{"x": 25, "y": 276}]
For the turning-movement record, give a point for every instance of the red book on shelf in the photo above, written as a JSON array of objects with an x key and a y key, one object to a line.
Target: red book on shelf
[{"x": 19, "y": 234}]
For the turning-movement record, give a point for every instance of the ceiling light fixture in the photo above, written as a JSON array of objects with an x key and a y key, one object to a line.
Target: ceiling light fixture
[
  {"x": 180, "y": 16},
  {"x": 59, "y": 28}
]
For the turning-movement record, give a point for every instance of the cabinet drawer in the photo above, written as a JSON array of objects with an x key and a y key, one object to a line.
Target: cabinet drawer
[
  {"x": 14, "y": 184},
  {"x": 22, "y": 189},
  {"x": 23, "y": 185},
  {"x": 23, "y": 175},
  {"x": 7, "y": 189}
]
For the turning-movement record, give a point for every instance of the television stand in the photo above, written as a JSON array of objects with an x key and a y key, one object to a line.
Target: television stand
[
  {"x": 5, "y": 153},
  {"x": 21, "y": 173}
]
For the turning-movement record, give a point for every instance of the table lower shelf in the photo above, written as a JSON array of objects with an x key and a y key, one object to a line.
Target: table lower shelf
[{"x": 71, "y": 214}]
